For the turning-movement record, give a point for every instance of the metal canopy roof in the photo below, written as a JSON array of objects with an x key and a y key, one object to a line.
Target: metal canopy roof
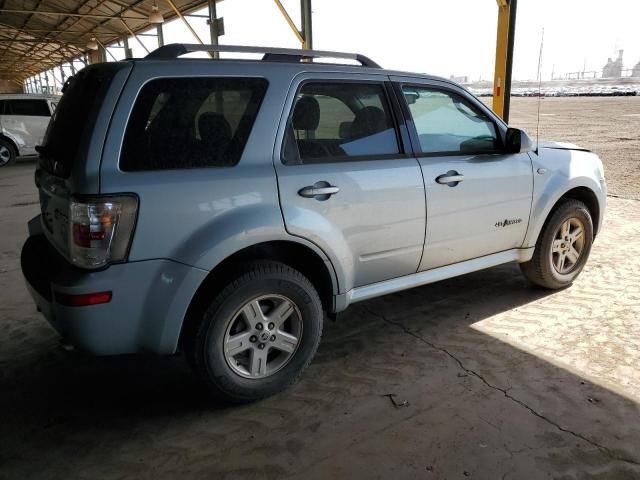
[{"x": 36, "y": 35}]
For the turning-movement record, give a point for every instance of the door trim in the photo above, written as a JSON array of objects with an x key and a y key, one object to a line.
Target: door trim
[{"x": 393, "y": 285}]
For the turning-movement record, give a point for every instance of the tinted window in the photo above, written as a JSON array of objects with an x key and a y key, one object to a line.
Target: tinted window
[
  {"x": 31, "y": 108},
  {"x": 191, "y": 123},
  {"x": 339, "y": 121},
  {"x": 70, "y": 126},
  {"x": 3, "y": 106},
  {"x": 447, "y": 123}
]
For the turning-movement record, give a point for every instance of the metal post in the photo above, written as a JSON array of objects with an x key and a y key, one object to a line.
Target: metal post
[
  {"x": 73, "y": 67},
  {"x": 513, "y": 4},
  {"x": 290, "y": 21},
  {"x": 501, "y": 57},
  {"x": 134, "y": 35},
  {"x": 504, "y": 57},
  {"x": 213, "y": 25},
  {"x": 186, "y": 23},
  {"x": 127, "y": 51},
  {"x": 160, "y": 34},
  {"x": 46, "y": 77},
  {"x": 307, "y": 32}
]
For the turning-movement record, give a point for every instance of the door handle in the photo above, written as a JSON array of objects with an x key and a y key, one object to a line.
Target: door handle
[
  {"x": 319, "y": 189},
  {"x": 451, "y": 178}
]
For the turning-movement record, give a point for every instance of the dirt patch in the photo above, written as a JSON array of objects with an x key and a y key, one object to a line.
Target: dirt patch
[{"x": 610, "y": 126}]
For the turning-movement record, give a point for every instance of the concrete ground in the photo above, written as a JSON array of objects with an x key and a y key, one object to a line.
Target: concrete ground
[{"x": 502, "y": 381}]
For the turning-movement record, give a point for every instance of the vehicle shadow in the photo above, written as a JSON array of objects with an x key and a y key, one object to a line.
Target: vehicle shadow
[{"x": 475, "y": 404}]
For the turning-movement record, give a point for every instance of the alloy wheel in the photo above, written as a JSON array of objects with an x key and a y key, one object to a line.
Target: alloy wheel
[
  {"x": 263, "y": 336},
  {"x": 568, "y": 245},
  {"x": 5, "y": 155}
]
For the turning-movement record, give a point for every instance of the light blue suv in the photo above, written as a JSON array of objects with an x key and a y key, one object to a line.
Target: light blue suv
[{"x": 219, "y": 207}]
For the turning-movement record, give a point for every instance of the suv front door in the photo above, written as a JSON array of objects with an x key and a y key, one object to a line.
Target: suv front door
[
  {"x": 346, "y": 181},
  {"x": 478, "y": 197}
]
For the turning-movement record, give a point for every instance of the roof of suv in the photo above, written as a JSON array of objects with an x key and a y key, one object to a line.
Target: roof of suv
[{"x": 282, "y": 56}]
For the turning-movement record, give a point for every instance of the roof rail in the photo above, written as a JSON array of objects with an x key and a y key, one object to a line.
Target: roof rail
[{"x": 174, "y": 50}]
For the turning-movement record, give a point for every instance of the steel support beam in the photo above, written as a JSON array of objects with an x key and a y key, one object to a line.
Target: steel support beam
[
  {"x": 307, "y": 31},
  {"x": 187, "y": 24},
  {"x": 127, "y": 50},
  {"x": 134, "y": 36},
  {"x": 213, "y": 25},
  {"x": 504, "y": 57},
  {"x": 160, "y": 34},
  {"x": 48, "y": 13}
]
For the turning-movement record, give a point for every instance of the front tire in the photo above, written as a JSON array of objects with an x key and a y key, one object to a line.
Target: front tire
[
  {"x": 562, "y": 248},
  {"x": 258, "y": 334},
  {"x": 8, "y": 153}
]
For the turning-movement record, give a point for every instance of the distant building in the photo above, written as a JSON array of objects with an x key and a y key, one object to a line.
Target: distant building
[
  {"x": 636, "y": 70},
  {"x": 459, "y": 79},
  {"x": 613, "y": 69}
]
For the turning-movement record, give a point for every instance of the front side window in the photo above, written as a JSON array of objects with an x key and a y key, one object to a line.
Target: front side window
[
  {"x": 338, "y": 121},
  {"x": 448, "y": 124},
  {"x": 29, "y": 108},
  {"x": 191, "y": 123}
]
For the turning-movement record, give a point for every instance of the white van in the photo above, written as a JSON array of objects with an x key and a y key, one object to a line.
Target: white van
[{"x": 23, "y": 121}]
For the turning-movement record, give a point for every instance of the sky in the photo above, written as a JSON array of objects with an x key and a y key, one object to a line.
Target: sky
[
  {"x": 446, "y": 37},
  {"x": 443, "y": 37}
]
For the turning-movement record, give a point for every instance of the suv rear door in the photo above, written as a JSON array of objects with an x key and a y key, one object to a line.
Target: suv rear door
[
  {"x": 346, "y": 177},
  {"x": 478, "y": 197}
]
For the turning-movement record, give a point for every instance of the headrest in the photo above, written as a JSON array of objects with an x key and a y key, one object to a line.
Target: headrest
[
  {"x": 306, "y": 115},
  {"x": 368, "y": 121},
  {"x": 213, "y": 127}
]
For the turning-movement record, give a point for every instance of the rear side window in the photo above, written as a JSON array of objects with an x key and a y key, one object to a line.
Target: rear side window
[
  {"x": 29, "y": 108},
  {"x": 340, "y": 121},
  {"x": 191, "y": 123}
]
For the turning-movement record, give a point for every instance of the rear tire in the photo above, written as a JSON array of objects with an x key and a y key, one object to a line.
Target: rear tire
[
  {"x": 258, "y": 334},
  {"x": 8, "y": 153},
  {"x": 562, "y": 248}
]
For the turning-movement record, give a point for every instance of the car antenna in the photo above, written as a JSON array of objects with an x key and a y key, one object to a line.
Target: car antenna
[{"x": 539, "y": 90}]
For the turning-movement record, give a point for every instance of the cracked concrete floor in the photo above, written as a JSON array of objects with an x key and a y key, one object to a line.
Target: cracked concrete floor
[{"x": 502, "y": 380}]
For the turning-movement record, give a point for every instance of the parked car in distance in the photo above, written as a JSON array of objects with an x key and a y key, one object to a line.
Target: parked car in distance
[
  {"x": 23, "y": 121},
  {"x": 221, "y": 207}
]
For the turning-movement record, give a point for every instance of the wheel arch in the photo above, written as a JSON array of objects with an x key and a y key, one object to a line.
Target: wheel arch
[
  {"x": 582, "y": 193},
  {"x": 589, "y": 198},
  {"x": 296, "y": 255}
]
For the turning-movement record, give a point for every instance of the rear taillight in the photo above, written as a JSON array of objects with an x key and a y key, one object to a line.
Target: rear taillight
[{"x": 100, "y": 229}]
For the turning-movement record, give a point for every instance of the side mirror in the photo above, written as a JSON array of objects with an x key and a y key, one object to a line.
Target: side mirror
[
  {"x": 517, "y": 141},
  {"x": 411, "y": 96}
]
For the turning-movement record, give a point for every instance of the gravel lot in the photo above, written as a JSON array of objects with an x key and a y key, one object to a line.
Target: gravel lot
[
  {"x": 610, "y": 126},
  {"x": 503, "y": 380}
]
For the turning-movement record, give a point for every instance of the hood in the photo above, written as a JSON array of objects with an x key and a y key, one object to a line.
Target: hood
[{"x": 561, "y": 146}]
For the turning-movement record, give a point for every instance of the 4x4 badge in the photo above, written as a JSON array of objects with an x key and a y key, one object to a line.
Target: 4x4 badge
[{"x": 506, "y": 222}]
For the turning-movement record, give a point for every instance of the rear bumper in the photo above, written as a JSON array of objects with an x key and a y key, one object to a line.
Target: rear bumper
[{"x": 145, "y": 314}]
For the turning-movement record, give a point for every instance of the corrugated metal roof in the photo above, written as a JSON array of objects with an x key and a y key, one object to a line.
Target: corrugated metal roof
[{"x": 36, "y": 35}]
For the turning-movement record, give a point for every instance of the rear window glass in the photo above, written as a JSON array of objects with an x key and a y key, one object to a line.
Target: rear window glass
[
  {"x": 74, "y": 117},
  {"x": 191, "y": 123},
  {"x": 29, "y": 108}
]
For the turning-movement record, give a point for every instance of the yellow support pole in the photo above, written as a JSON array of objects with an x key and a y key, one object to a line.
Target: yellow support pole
[{"x": 502, "y": 42}]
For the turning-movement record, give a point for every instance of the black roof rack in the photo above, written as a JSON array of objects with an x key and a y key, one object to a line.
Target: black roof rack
[{"x": 174, "y": 50}]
